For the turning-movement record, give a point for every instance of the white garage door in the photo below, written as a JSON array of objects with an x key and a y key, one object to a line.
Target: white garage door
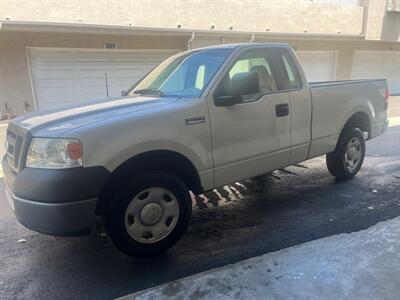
[
  {"x": 318, "y": 65},
  {"x": 378, "y": 64},
  {"x": 64, "y": 76}
]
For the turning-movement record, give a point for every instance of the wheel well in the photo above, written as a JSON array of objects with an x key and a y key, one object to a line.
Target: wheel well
[
  {"x": 157, "y": 160},
  {"x": 359, "y": 120}
]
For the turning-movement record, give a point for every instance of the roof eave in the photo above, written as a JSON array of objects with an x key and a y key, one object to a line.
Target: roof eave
[{"x": 33, "y": 26}]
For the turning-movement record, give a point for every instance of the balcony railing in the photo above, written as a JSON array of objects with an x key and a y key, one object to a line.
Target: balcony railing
[{"x": 353, "y": 3}]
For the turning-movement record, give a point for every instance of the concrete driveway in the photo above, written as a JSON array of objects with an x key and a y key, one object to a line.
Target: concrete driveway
[
  {"x": 298, "y": 204},
  {"x": 361, "y": 265},
  {"x": 394, "y": 107}
]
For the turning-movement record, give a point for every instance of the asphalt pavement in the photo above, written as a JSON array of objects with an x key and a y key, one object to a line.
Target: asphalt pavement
[
  {"x": 291, "y": 206},
  {"x": 360, "y": 265}
]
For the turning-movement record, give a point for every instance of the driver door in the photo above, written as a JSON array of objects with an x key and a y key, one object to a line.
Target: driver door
[{"x": 252, "y": 137}]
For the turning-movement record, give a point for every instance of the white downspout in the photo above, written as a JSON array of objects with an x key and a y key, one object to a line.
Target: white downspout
[
  {"x": 253, "y": 36},
  {"x": 189, "y": 44}
]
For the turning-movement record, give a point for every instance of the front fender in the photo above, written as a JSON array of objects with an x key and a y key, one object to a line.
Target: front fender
[{"x": 144, "y": 147}]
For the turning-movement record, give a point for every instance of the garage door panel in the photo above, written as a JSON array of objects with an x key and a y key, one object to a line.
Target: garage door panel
[
  {"x": 54, "y": 65},
  {"x": 135, "y": 66},
  {"x": 89, "y": 74},
  {"x": 91, "y": 84},
  {"x": 155, "y": 56},
  {"x": 92, "y": 56},
  {"x": 128, "y": 57},
  {"x": 318, "y": 65},
  {"x": 54, "y": 104},
  {"x": 53, "y": 56},
  {"x": 92, "y": 93},
  {"x": 125, "y": 77},
  {"x": 58, "y": 92},
  {"x": 378, "y": 64},
  {"x": 63, "y": 76},
  {"x": 63, "y": 95},
  {"x": 127, "y": 73},
  {"x": 55, "y": 75},
  {"x": 55, "y": 89},
  {"x": 55, "y": 84}
]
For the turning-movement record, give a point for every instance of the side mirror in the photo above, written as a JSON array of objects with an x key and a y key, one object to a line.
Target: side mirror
[
  {"x": 227, "y": 100},
  {"x": 245, "y": 83},
  {"x": 241, "y": 84},
  {"x": 124, "y": 93}
]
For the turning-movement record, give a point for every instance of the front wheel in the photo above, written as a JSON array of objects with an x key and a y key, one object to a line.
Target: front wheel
[
  {"x": 348, "y": 157},
  {"x": 148, "y": 214}
]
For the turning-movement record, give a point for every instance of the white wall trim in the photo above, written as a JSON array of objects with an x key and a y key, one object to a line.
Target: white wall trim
[
  {"x": 44, "y": 49},
  {"x": 35, "y": 103},
  {"x": 36, "y": 26},
  {"x": 335, "y": 67},
  {"x": 377, "y": 51}
]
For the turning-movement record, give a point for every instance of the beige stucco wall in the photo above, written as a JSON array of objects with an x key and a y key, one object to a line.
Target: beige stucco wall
[
  {"x": 244, "y": 15},
  {"x": 287, "y": 16},
  {"x": 15, "y": 85},
  {"x": 382, "y": 25}
]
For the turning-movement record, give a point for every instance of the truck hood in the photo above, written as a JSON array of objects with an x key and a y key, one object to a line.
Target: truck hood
[{"x": 55, "y": 122}]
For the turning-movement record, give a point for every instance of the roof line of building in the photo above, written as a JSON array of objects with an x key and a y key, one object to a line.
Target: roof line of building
[{"x": 11, "y": 25}]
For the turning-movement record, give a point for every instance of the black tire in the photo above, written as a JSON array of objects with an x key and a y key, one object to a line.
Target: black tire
[
  {"x": 114, "y": 208},
  {"x": 335, "y": 161}
]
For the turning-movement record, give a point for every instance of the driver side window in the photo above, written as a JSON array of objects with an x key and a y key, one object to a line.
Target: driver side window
[{"x": 254, "y": 61}]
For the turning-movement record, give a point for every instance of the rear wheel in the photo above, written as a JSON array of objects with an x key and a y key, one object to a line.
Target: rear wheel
[
  {"x": 348, "y": 157},
  {"x": 148, "y": 215}
]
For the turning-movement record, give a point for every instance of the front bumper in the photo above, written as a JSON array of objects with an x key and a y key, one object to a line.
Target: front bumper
[
  {"x": 55, "y": 202},
  {"x": 61, "y": 219}
]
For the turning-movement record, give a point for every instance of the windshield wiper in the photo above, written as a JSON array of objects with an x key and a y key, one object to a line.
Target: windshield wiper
[{"x": 150, "y": 91}]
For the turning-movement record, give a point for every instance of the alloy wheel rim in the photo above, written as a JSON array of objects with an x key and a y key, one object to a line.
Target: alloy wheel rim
[{"x": 152, "y": 215}]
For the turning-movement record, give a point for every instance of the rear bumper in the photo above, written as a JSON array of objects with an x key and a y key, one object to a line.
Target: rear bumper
[
  {"x": 61, "y": 219},
  {"x": 378, "y": 129}
]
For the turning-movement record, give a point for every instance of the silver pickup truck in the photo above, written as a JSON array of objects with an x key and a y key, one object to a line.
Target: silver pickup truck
[{"x": 201, "y": 119}]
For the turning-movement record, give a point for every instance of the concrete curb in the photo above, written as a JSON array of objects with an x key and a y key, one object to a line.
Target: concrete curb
[{"x": 361, "y": 265}]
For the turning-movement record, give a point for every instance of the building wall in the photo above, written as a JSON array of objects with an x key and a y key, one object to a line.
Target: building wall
[
  {"x": 382, "y": 25},
  {"x": 345, "y": 49},
  {"x": 244, "y": 15},
  {"x": 15, "y": 85}
]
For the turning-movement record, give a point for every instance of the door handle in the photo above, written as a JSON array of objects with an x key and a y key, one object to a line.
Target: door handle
[
  {"x": 195, "y": 120},
  {"x": 282, "y": 110}
]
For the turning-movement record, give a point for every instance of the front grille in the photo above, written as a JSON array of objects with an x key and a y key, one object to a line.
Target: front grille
[{"x": 14, "y": 146}]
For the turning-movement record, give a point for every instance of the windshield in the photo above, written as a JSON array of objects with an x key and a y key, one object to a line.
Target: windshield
[{"x": 185, "y": 75}]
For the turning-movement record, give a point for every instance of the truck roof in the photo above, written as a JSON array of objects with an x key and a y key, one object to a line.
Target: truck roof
[{"x": 243, "y": 45}]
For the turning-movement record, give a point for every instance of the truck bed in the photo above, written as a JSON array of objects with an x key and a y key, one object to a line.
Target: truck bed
[
  {"x": 335, "y": 101},
  {"x": 342, "y": 82}
]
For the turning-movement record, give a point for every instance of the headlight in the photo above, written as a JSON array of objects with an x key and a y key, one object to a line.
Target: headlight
[{"x": 54, "y": 153}]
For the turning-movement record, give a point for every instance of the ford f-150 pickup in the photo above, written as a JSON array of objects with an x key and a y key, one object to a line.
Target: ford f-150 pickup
[{"x": 201, "y": 119}]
